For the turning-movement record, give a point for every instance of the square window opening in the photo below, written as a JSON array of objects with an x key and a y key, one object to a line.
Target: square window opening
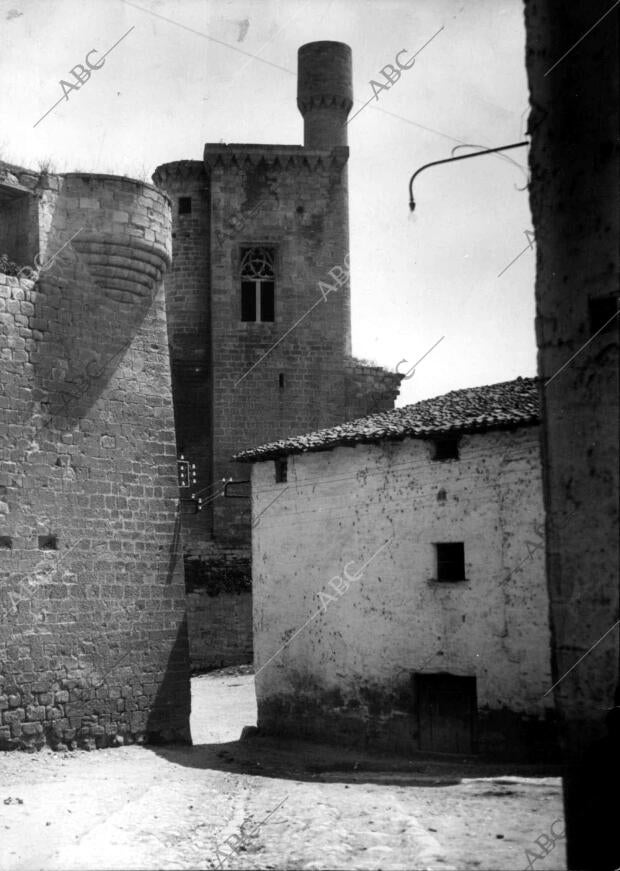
[
  {"x": 446, "y": 448},
  {"x": 450, "y": 561},
  {"x": 185, "y": 205},
  {"x": 6, "y": 542},
  {"x": 48, "y": 542}
]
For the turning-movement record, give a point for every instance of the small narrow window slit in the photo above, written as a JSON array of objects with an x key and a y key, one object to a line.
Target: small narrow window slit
[{"x": 281, "y": 468}]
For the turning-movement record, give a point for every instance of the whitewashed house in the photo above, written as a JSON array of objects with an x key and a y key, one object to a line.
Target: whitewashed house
[{"x": 400, "y": 599}]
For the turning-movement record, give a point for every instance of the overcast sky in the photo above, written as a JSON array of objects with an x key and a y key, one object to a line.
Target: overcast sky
[{"x": 171, "y": 85}]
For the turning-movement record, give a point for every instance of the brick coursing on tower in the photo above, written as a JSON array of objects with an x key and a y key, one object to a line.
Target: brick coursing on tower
[
  {"x": 93, "y": 643},
  {"x": 293, "y": 199}
]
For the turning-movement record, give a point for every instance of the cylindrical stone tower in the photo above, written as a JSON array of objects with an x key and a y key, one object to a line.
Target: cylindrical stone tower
[
  {"x": 188, "y": 304},
  {"x": 90, "y": 581},
  {"x": 324, "y": 93}
]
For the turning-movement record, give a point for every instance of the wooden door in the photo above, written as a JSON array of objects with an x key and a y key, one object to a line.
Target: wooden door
[{"x": 447, "y": 713}]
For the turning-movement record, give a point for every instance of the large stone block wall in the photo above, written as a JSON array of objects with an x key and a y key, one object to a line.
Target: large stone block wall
[
  {"x": 339, "y": 509},
  {"x": 93, "y": 640}
]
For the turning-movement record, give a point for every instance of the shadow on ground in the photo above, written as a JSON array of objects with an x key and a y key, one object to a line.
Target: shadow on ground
[{"x": 306, "y": 761}]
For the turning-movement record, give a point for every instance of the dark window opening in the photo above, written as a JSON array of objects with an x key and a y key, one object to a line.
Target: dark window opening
[
  {"x": 6, "y": 542},
  {"x": 602, "y": 310},
  {"x": 258, "y": 301},
  {"x": 446, "y": 449},
  {"x": 450, "y": 561},
  {"x": 267, "y": 301},
  {"x": 281, "y": 470},
  {"x": 185, "y": 205},
  {"x": 281, "y": 380},
  {"x": 18, "y": 217},
  {"x": 257, "y": 285},
  {"x": 248, "y": 301},
  {"x": 48, "y": 542}
]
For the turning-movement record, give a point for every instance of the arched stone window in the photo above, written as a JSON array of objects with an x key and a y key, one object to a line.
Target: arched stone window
[{"x": 257, "y": 284}]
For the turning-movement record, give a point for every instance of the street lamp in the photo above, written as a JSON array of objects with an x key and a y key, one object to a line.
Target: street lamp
[{"x": 460, "y": 157}]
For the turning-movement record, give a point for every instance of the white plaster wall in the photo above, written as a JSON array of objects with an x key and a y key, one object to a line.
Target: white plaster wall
[{"x": 338, "y": 507}]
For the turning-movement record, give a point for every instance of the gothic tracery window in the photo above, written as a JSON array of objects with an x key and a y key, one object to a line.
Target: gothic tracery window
[{"x": 257, "y": 284}]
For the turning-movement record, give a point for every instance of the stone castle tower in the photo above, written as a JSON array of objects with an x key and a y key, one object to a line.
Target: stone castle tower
[
  {"x": 247, "y": 340},
  {"x": 255, "y": 229},
  {"x": 260, "y": 345},
  {"x": 93, "y": 641}
]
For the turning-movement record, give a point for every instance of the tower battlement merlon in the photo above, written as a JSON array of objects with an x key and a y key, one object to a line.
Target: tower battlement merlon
[
  {"x": 21, "y": 176},
  {"x": 274, "y": 156},
  {"x": 324, "y": 92},
  {"x": 177, "y": 171}
]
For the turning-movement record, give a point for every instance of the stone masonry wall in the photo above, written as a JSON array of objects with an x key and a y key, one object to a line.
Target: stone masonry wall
[
  {"x": 575, "y": 168},
  {"x": 339, "y": 509},
  {"x": 303, "y": 215},
  {"x": 369, "y": 389},
  {"x": 220, "y": 629},
  {"x": 93, "y": 642},
  {"x": 189, "y": 336},
  {"x": 576, "y": 213}
]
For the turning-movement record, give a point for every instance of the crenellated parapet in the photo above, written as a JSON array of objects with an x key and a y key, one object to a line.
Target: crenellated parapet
[
  {"x": 177, "y": 172},
  {"x": 276, "y": 157}
]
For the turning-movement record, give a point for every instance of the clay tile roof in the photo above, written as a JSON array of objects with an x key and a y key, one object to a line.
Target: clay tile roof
[{"x": 474, "y": 409}]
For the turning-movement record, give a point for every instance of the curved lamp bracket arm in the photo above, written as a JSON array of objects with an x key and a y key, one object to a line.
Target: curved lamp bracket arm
[
  {"x": 453, "y": 159},
  {"x": 503, "y": 157}
]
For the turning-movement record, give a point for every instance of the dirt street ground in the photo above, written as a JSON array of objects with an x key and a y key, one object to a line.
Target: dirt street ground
[{"x": 258, "y": 803}]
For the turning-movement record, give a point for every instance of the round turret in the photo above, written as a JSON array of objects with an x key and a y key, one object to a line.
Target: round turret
[{"x": 324, "y": 93}]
